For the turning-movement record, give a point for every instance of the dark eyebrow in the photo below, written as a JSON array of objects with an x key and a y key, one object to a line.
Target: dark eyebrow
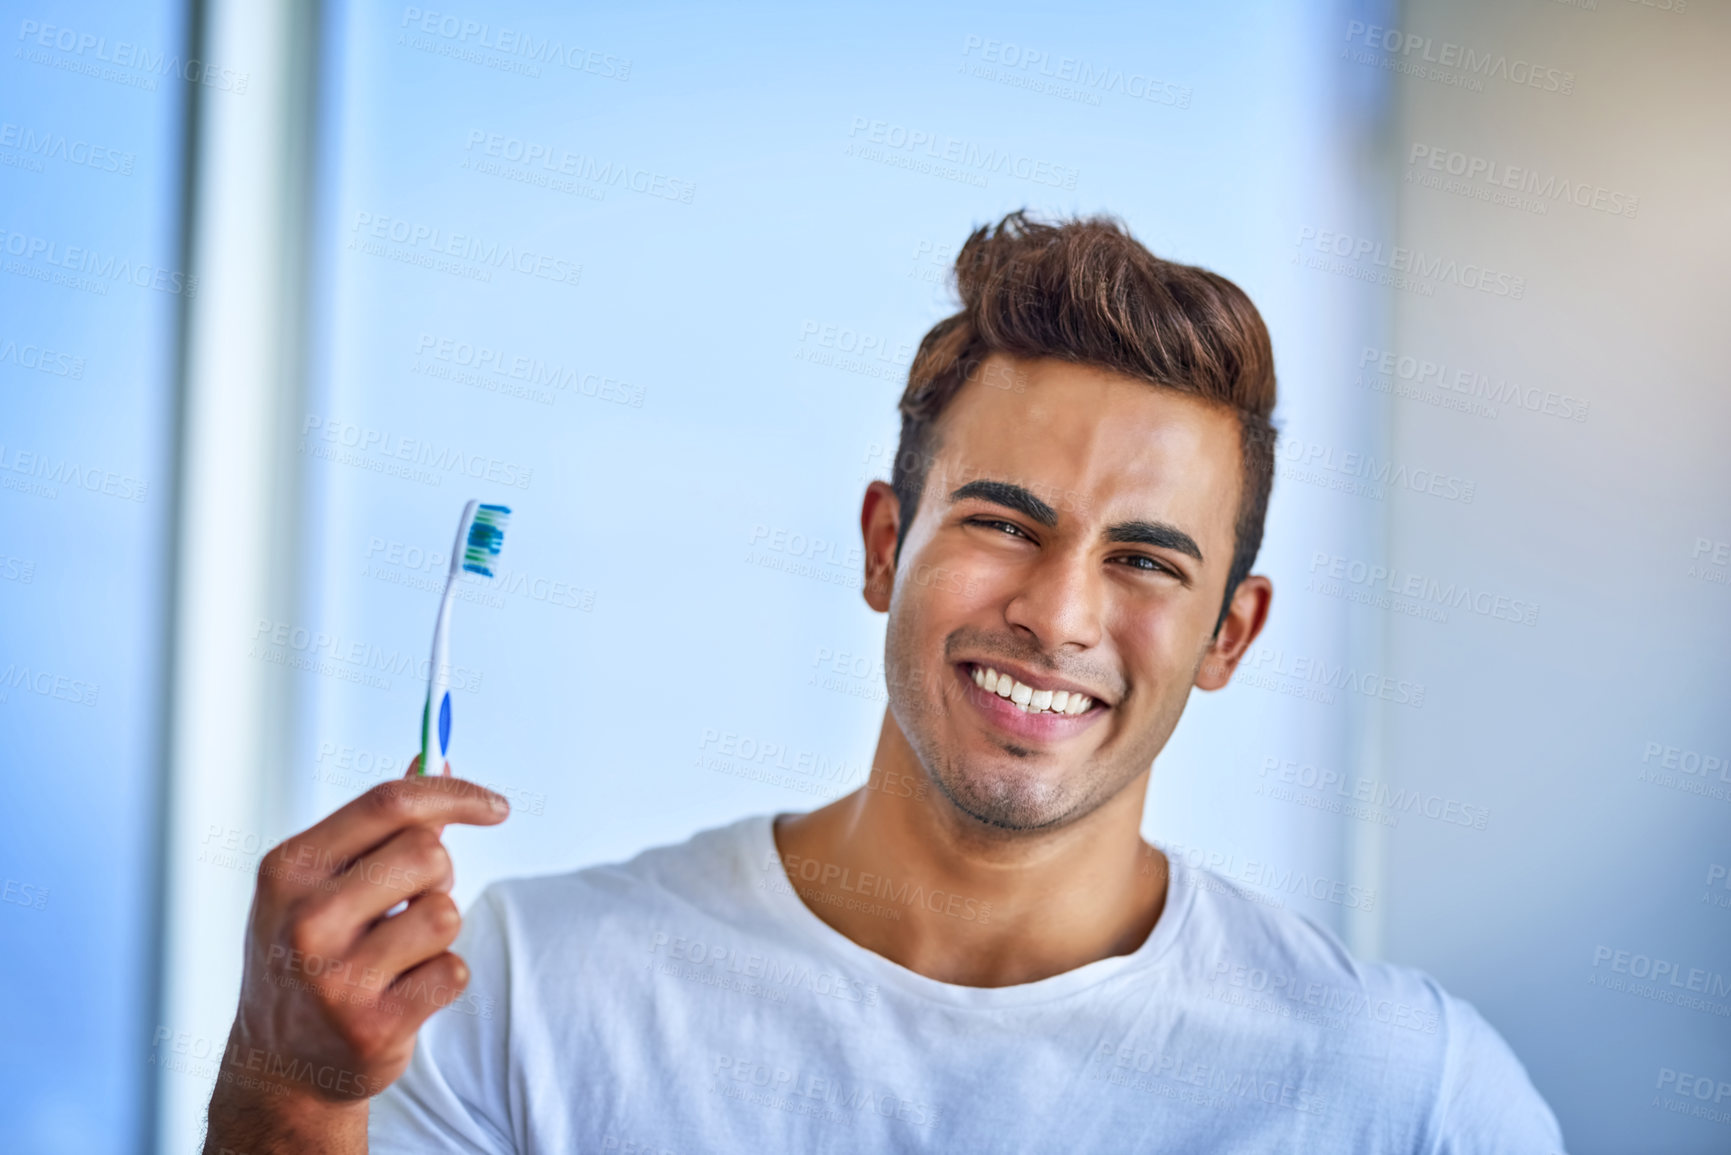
[
  {"x": 1157, "y": 534},
  {"x": 1010, "y": 496},
  {"x": 1151, "y": 533}
]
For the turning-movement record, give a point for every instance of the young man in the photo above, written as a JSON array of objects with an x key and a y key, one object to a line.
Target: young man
[{"x": 976, "y": 951}]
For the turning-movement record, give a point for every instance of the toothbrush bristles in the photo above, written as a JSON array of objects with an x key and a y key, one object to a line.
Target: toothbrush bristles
[{"x": 486, "y": 535}]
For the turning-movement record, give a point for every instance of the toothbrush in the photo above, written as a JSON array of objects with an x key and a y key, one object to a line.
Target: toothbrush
[{"x": 480, "y": 533}]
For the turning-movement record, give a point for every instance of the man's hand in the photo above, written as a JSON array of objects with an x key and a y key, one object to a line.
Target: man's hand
[{"x": 334, "y": 988}]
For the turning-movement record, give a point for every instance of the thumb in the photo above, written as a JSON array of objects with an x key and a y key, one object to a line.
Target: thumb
[{"x": 415, "y": 769}]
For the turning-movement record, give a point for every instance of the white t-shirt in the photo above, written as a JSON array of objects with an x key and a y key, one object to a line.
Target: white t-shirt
[{"x": 688, "y": 1001}]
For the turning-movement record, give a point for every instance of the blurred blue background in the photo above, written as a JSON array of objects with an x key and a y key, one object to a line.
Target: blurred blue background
[{"x": 286, "y": 284}]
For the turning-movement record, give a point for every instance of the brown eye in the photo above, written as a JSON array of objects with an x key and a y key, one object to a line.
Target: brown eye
[
  {"x": 1147, "y": 564},
  {"x": 993, "y": 523}
]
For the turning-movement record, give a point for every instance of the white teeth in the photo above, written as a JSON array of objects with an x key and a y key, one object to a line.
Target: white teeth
[{"x": 1030, "y": 700}]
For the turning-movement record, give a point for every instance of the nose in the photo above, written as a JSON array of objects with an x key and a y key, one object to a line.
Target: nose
[{"x": 1058, "y": 604}]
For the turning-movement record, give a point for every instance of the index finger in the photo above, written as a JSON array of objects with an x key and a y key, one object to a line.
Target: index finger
[{"x": 393, "y": 806}]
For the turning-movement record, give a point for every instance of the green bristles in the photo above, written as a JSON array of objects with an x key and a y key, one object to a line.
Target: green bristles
[{"x": 486, "y": 535}]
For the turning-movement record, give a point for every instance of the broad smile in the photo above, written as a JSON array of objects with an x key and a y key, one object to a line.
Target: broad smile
[{"x": 1026, "y": 705}]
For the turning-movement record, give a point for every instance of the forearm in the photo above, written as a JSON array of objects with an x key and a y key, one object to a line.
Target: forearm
[{"x": 268, "y": 1121}]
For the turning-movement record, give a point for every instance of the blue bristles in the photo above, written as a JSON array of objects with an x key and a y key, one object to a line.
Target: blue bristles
[{"x": 486, "y": 535}]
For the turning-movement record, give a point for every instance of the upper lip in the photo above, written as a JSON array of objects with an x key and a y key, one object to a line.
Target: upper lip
[{"x": 1037, "y": 681}]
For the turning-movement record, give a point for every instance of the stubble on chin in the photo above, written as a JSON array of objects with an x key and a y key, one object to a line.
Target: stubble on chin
[{"x": 1012, "y": 799}]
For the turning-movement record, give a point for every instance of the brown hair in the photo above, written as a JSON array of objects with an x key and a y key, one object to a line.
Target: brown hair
[{"x": 1086, "y": 291}]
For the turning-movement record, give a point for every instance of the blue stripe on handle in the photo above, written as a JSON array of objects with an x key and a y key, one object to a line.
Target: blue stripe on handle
[{"x": 445, "y": 724}]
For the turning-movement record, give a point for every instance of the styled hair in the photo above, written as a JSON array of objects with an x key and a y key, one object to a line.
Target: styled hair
[{"x": 1086, "y": 291}]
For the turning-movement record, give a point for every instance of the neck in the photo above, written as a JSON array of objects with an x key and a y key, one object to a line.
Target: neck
[{"x": 951, "y": 898}]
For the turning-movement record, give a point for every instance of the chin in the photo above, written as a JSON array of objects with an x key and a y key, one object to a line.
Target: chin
[{"x": 1007, "y": 797}]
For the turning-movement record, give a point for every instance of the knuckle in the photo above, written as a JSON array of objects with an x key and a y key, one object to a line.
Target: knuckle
[
  {"x": 368, "y": 1038},
  {"x": 306, "y": 935},
  {"x": 422, "y": 839},
  {"x": 428, "y": 855},
  {"x": 281, "y": 869},
  {"x": 435, "y": 871},
  {"x": 443, "y": 915},
  {"x": 269, "y": 872}
]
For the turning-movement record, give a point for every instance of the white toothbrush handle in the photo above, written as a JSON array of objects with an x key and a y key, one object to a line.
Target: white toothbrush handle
[
  {"x": 436, "y": 718},
  {"x": 436, "y": 730}
]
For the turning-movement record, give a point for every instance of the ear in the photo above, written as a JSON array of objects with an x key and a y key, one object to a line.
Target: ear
[
  {"x": 1245, "y": 617},
  {"x": 880, "y": 519}
]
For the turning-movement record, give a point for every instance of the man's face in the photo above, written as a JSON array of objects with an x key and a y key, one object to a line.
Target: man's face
[{"x": 1074, "y": 535}]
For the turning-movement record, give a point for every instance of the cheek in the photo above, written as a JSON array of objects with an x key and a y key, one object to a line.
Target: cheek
[
  {"x": 930, "y": 602},
  {"x": 1150, "y": 642},
  {"x": 951, "y": 581}
]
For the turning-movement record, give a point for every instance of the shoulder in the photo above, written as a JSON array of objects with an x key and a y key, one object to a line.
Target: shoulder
[
  {"x": 1488, "y": 1102},
  {"x": 1431, "y": 1050},
  {"x": 1242, "y": 938}
]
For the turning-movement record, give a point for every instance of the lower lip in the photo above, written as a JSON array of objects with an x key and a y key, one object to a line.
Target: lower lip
[{"x": 1006, "y": 715}]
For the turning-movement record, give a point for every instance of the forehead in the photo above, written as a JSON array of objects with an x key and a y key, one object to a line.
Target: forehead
[{"x": 1115, "y": 447}]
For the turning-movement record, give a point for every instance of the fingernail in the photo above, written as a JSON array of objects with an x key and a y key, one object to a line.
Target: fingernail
[{"x": 499, "y": 804}]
